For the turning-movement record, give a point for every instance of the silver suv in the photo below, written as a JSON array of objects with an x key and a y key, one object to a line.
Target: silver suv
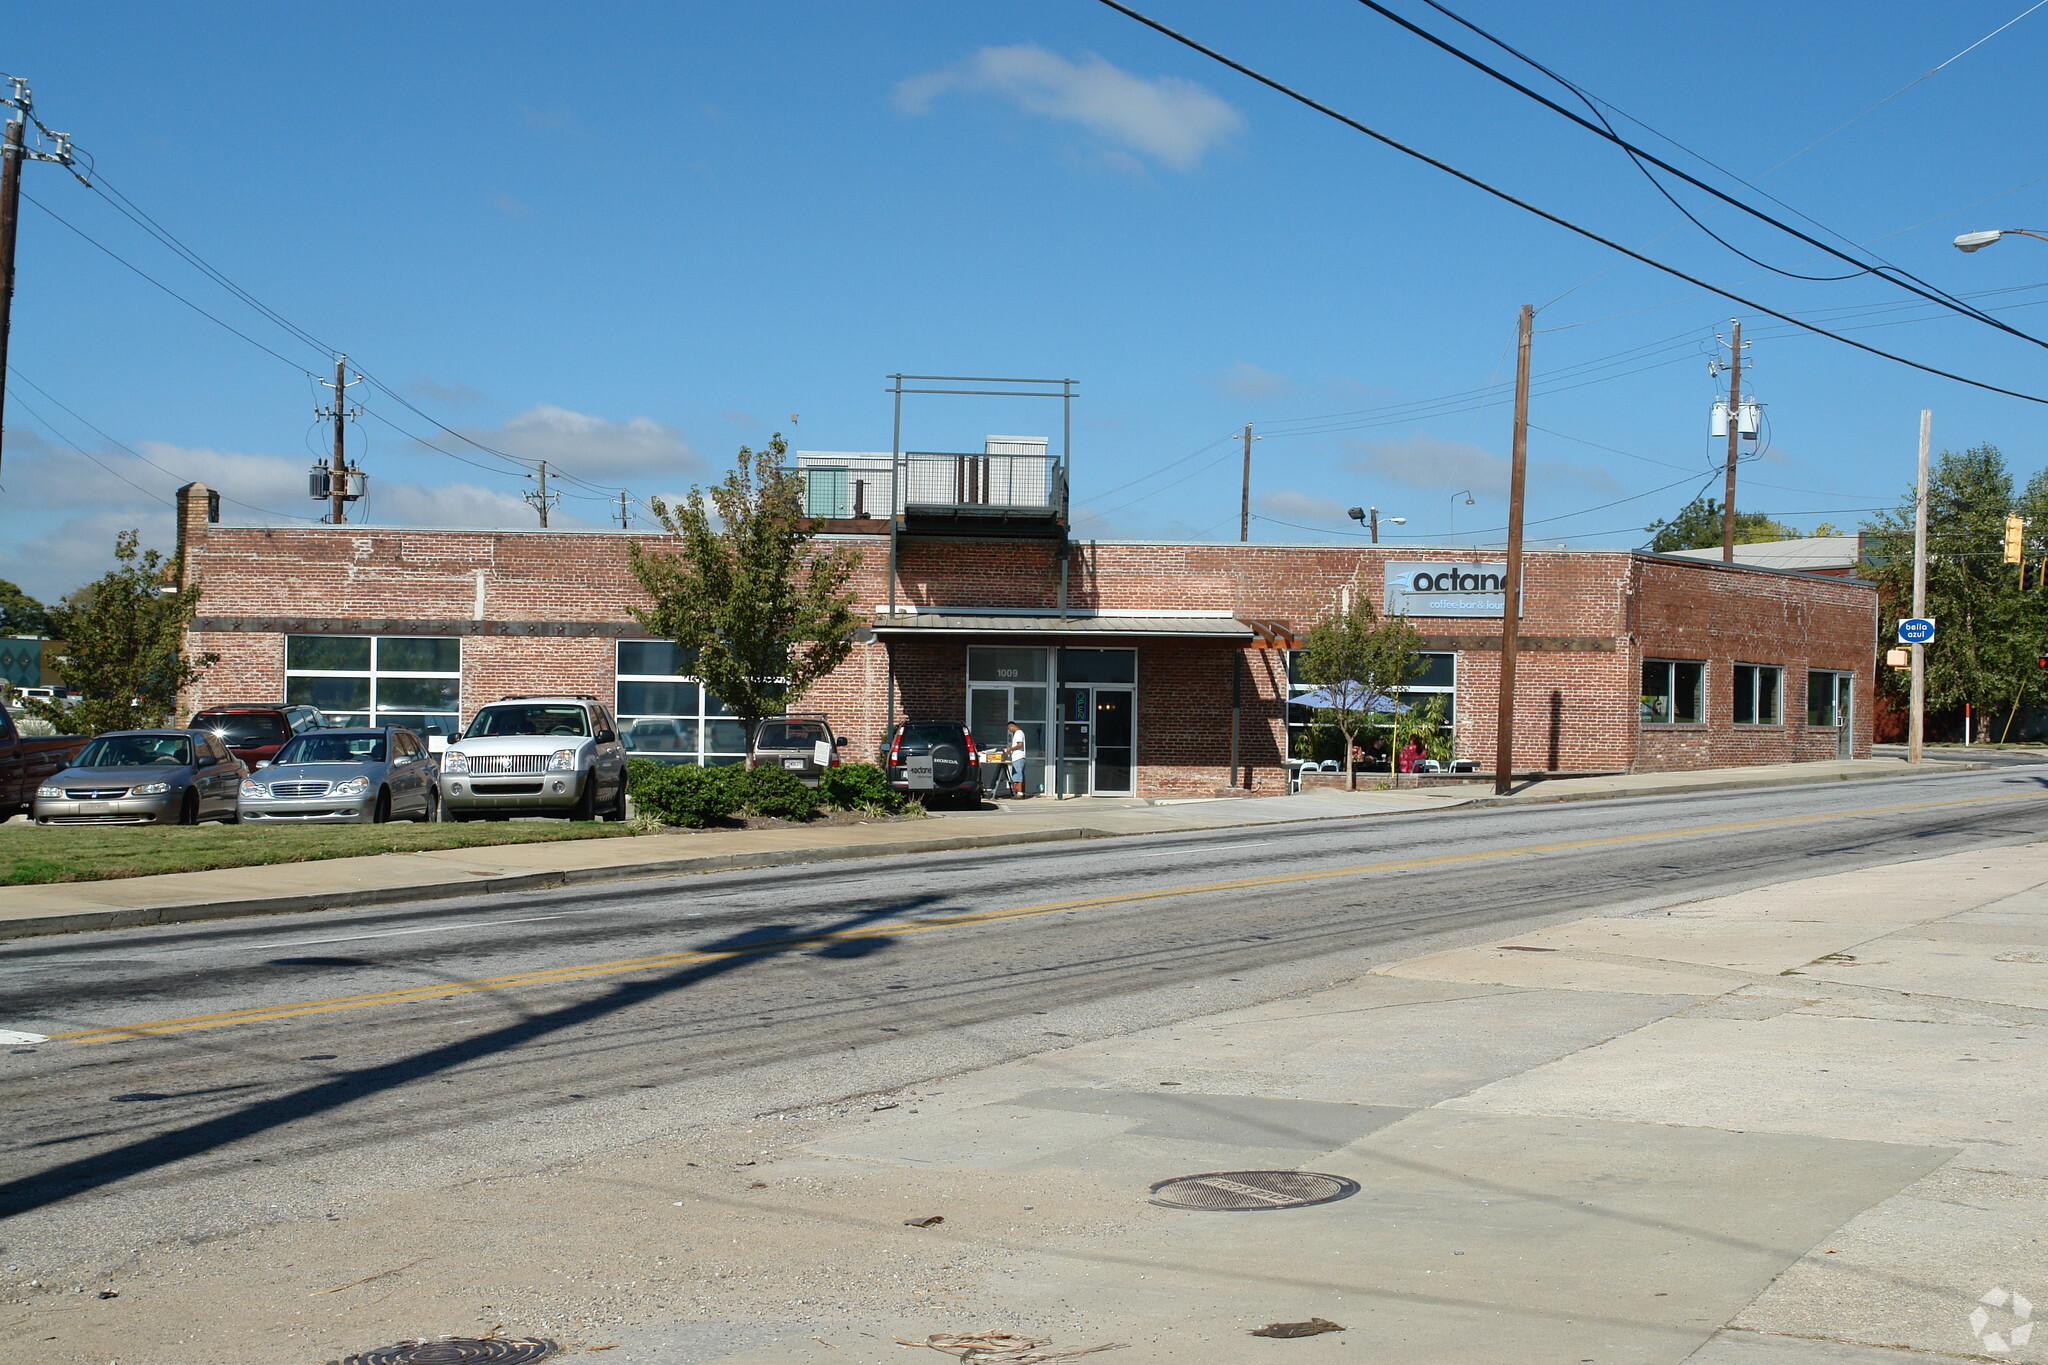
[{"x": 536, "y": 755}]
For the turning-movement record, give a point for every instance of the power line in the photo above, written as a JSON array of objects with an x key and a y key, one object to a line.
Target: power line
[
  {"x": 1545, "y": 214},
  {"x": 1604, "y": 130}
]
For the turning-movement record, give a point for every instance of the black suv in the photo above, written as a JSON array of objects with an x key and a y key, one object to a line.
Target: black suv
[{"x": 931, "y": 761}]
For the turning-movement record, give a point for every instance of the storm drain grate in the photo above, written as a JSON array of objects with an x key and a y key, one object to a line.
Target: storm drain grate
[
  {"x": 457, "y": 1351},
  {"x": 1243, "y": 1191}
]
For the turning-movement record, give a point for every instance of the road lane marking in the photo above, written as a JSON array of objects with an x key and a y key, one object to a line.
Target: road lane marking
[{"x": 698, "y": 956}]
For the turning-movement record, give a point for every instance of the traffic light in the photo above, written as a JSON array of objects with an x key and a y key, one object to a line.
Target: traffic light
[{"x": 2015, "y": 533}]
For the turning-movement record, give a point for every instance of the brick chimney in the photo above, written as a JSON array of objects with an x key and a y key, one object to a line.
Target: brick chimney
[{"x": 198, "y": 507}]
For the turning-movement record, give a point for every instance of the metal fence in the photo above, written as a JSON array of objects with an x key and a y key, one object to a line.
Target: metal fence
[{"x": 1027, "y": 482}]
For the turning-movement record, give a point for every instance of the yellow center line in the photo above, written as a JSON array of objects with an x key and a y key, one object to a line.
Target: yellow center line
[{"x": 692, "y": 957}]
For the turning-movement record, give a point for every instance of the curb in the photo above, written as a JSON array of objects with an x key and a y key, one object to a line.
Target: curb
[
  {"x": 1947, "y": 769},
  {"x": 134, "y": 917}
]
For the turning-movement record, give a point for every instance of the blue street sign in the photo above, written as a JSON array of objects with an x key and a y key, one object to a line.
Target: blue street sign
[{"x": 1916, "y": 630}]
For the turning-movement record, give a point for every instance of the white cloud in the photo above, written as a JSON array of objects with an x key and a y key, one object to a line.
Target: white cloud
[
  {"x": 1424, "y": 461},
  {"x": 593, "y": 447},
  {"x": 1166, "y": 118},
  {"x": 1288, "y": 504},
  {"x": 1249, "y": 381}
]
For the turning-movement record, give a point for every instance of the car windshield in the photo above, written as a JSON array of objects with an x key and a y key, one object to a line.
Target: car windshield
[
  {"x": 135, "y": 751},
  {"x": 790, "y": 734},
  {"x": 524, "y": 718},
  {"x": 243, "y": 730},
  {"x": 333, "y": 748}
]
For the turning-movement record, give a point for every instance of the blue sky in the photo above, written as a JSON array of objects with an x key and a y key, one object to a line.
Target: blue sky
[{"x": 629, "y": 238}]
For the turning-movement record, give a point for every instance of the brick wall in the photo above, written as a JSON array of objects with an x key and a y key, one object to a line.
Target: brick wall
[{"x": 1589, "y": 619}]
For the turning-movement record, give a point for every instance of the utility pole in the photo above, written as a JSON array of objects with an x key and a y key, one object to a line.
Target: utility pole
[
  {"x": 1916, "y": 723},
  {"x": 1244, "y": 501},
  {"x": 14, "y": 150},
  {"x": 339, "y": 475},
  {"x": 1734, "y": 445},
  {"x": 1375, "y": 513},
  {"x": 1511, "y": 603},
  {"x": 541, "y": 500},
  {"x": 626, "y": 513}
]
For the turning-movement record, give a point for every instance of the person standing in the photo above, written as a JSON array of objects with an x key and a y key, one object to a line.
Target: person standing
[{"x": 1016, "y": 751}]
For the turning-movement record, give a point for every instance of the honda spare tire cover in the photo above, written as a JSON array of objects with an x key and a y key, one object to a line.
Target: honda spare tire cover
[{"x": 948, "y": 761}]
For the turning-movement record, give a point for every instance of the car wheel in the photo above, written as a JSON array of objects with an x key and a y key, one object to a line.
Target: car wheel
[
  {"x": 381, "y": 812},
  {"x": 188, "y": 813},
  {"x": 586, "y": 804},
  {"x": 432, "y": 813},
  {"x": 618, "y": 811}
]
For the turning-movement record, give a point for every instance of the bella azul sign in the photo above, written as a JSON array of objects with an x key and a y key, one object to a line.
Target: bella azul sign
[{"x": 1439, "y": 588}]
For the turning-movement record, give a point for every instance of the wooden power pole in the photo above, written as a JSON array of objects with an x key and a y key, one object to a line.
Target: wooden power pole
[
  {"x": 1734, "y": 446},
  {"x": 10, "y": 215},
  {"x": 337, "y": 487},
  {"x": 1511, "y": 595},
  {"x": 1916, "y": 716},
  {"x": 1244, "y": 499}
]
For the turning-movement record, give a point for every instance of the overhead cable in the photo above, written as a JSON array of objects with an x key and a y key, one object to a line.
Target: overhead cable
[{"x": 1527, "y": 207}]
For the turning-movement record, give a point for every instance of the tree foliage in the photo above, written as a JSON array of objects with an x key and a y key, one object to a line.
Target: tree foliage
[
  {"x": 761, "y": 610},
  {"x": 124, "y": 645},
  {"x": 1361, "y": 660},
  {"x": 1697, "y": 526},
  {"x": 21, "y": 614},
  {"x": 1989, "y": 630}
]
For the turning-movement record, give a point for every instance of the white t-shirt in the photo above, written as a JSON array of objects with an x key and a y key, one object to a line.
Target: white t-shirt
[{"x": 1016, "y": 746}]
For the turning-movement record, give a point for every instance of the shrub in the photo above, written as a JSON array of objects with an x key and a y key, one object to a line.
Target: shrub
[
  {"x": 861, "y": 786},
  {"x": 682, "y": 793},
  {"x": 775, "y": 792}
]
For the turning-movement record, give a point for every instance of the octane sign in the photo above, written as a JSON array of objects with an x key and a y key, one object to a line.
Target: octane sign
[{"x": 1445, "y": 588}]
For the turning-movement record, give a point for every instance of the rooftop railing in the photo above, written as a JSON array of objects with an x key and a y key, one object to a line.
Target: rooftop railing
[{"x": 938, "y": 484}]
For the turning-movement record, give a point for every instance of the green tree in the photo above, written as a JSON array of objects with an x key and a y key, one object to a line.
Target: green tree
[
  {"x": 1360, "y": 660},
  {"x": 1698, "y": 527},
  {"x": 762, "y": 610},
  {"x": 1989, "y": 630},
  {"x": 124, "y": 644},
  {"x": 21, "y": 614}
]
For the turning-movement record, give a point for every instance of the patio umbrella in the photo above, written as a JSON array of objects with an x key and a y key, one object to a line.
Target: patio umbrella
[{"x": 1350, "y": 696}]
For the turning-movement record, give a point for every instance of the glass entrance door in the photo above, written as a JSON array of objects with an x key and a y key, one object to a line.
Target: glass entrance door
[
  {"x": 1005, "y": 685},
  {"x": 1096, "y": 734}
]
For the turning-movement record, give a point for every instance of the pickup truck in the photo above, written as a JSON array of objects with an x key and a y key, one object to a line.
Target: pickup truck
[{"x": 26, "y": 760}]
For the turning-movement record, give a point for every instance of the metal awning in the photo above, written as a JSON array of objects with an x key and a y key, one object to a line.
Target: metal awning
[{"x": 1050, "y": 623}]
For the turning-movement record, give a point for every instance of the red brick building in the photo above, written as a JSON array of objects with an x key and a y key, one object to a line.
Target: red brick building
[{"x": 1160, "y": 667}]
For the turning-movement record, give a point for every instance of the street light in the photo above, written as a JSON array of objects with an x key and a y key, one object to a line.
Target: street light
[
  {"x": 1451, "y": 517},
  {"x": 1977, "y": 241},
  {"x": 1371, "y": 516}
]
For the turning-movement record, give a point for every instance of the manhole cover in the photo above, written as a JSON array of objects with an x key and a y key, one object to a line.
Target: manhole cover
[
  {"x": 1246, "y": 1190},
  {"x": 457, "y": 1351}
]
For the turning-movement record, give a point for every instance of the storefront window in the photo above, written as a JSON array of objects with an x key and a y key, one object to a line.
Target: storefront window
[
  {"x": 1305, "y": 740},
  {"x": 409, "y": 680},
  {"x": 1004, "y": 685},
  {"x": 666, "y": 715},
  {"x": 1757, "y": 689},
  {"x": 1671, "y": 692},
  {"x": 1826, "y": 698}
]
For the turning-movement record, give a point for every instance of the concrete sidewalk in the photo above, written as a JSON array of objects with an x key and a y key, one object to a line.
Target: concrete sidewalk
[{"x": 339, "y": 883}]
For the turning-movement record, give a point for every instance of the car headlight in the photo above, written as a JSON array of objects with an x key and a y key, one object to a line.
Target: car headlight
[
  {"x": 55, "y": 792},
  {"x": 454, "y": 761},
  {"x": 150, "y": 789},
  {"x": 564, "y": 761},
  {"x": 255, "y": 791},
  {"x": 355, "y": 786}
]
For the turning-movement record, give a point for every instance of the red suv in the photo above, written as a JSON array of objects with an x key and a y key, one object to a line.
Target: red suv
[{"x": 255, "y": 733}]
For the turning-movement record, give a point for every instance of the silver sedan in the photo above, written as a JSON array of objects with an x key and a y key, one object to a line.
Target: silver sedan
[
  {"x": 143, "y": 777},
  {"x": 345, "y": 777}
]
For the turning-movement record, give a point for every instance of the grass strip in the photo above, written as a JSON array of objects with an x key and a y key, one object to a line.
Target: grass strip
[{"x": 35, "y": 854}]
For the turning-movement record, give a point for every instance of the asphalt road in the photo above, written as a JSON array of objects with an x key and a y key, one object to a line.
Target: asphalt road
[{"x": 292, "y": 1064}]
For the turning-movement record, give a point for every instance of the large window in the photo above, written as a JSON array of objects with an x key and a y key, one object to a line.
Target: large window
[
  {"x": 1671, "y": 692},
  {"x": 666, "y": 715},
  {"x": 1438, "y": 679},
  {"x": 1758, "y": 694},
  {"x": 409, "y": 680}
]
